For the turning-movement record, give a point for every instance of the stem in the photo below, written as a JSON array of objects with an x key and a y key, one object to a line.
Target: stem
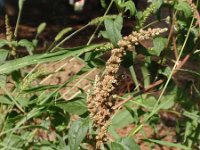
[
  {"x": 98, "y": 26},
  {"x": 77, "y": 83},
  {"x": 12, "y": 98},
  {"x": 68, "y": 37},
  {"x": 154, "y": 22},
  {"x": 17, "y": 23},
  {"x": 155, "y": 109}
]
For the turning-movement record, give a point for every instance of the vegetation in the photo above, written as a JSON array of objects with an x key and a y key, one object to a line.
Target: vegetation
[{"x": 165, "y": 79}]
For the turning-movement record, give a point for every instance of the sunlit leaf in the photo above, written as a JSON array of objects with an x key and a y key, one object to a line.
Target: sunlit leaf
[
  {"x": 3, "y": 42},
  {"x": 159, "y": 45},
  {"x": 3, "y": 55},
  {"x": 185, "y": 8},
  {"x": 125, "y": 143},
  {"x": 12, "y": 65},
  {"x": 3, "y": 80},
  {"x": 121, "y": 119},
  {"x": 113, "y": 29},
  {"x": 77, "y": 106},
  {"x": 130, "y": 6},
  {"x": 169, "y": 144},
  {"x": 77, "y": 132},
  {"x": 103, "y": 3},
  {"x": 28, "y": 45}
]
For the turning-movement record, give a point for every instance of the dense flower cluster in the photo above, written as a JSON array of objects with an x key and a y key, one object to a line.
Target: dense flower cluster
[
  {"x": 147, "y": 12},
  {"x": 194, "y": 11},
  {"x": 100, "y": 100}
]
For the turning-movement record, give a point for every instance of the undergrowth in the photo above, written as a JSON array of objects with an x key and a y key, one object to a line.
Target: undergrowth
[{"x": 159, "y": 87}]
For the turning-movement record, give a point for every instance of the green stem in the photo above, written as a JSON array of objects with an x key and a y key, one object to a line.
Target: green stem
[
  {"x": 98, "y": 26},
  {"x": 68, "y": 37},
  {"x": 17, "y": 23},
  {"x": 12, "y": 98},
  {"x": 156, "y": 108}
]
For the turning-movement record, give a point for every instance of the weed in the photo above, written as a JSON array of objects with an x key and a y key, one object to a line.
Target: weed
[{"x": 161, "y": 57}]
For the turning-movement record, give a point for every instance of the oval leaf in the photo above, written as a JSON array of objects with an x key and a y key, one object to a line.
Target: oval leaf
[
  {"x": 3, "y": 55},
  {"x": 28, "y": 45},
  {"x": 77, "y": 132},
  {"x": 185, "y": 8},
  {"x": 159, "y": 45},
  {"x": 130, "y": 6},
  {"x": 77, "y": 106},
  {"x": 113, "y": 29},
  {"x": 3, "y": 43}
]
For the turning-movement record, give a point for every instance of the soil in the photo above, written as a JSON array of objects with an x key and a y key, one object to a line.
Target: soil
[{"x": 36, "y": 12}]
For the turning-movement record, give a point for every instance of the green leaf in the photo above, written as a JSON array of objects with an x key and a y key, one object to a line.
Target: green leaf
[
  {"x": 185, "y": 8},
  {"x": 119, "y": 3},
  {"x": 122, "y": 119},
  {"x": 46, "y": 148},
  {"x": 192, "y": 115},
  {"x": 196, "y": 33},
  {"x": 157, "y": 4},
  {"x": 166, "y": 71},
  {"x": 129, "y": 143},
  {"x": 113, "y": 29},
  {"x": 3, "y": 43},
  {"x": 126, "y": 143},
  {"x": 116, "y": 146},
  {"x": 62, "y": 33},
  {"x": 13, "y": 142},
  {"x": 134, "y": 77},
  {"x": 165, "y": 143},
  {"x": 3, "y": 55},
  {"x": 167, "y": 101},
  {"x": 77, "y": 106},
  {"x": 35, "y": 42},
  {"x": 104, "y": 34},
  {"x": 113, "y": 132},
  {"x": 40, "y": 88},
  {"x": 103, "y": 3},
  {"x": 3, "y": 80},
  {"x": 188, "y": 130},
  {"x": 77, "y": 132},
  {"x": 28, "y": 45},
  {"x": 23, "y": 102},
  {"x": 149, "y": 102},
  {"x": 130, "y": 6},
  {"x": 41, "y": 28},
  {"x": 16, "y": 64},
  {"x": 5, "y": 100},
  {"x": 146, "y": 75},
  {"x": 159, "y": 45}
]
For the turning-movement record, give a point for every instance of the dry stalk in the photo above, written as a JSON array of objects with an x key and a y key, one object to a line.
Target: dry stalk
[{"x": 101, "y": 99}]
